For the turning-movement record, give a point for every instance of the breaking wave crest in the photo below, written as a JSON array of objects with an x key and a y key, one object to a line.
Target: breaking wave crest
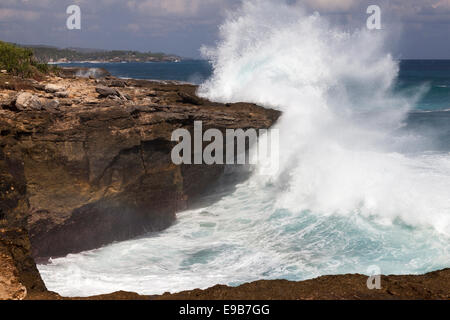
[{"x": 340, "y": 148}]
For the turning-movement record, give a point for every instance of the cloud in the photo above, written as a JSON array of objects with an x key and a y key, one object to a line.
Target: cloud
[
  {"x": 133, "y": 27},
  {"x": 331, "y": 5},
  {"x": 184, "y": 25},
  {"x": 14, "y": 14},
  {"x": 441, "y": 4},
  {"x": 178, "y": 8}
]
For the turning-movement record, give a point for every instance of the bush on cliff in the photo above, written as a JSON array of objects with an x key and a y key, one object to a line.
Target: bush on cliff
[{"x": 20, "y": 61}]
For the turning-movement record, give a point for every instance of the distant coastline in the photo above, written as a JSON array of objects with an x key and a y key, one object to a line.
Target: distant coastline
[
  {"x": 53, "y": 55},
  {"x": 105, "y": 62}
]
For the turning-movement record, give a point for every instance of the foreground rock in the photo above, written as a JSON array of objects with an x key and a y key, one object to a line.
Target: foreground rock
[
  {"x": 79, "y": 169},
  {"x": 434, "y": 285},
  {"x": 10, "y": 285},
  {"x": 18, "y": 273}
]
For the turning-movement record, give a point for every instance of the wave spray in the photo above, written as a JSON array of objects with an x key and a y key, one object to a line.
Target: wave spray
[{"x": 340, "y": 147}]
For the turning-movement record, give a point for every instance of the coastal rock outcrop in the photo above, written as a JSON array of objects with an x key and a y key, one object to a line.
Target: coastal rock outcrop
[{"x": 96, "y": 169}]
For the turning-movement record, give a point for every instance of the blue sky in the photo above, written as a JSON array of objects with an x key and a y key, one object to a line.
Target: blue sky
[{"x": 421, "y": 27}]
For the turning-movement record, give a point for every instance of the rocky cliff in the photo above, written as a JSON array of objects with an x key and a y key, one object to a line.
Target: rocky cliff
[{"x": 84, "y": 162}]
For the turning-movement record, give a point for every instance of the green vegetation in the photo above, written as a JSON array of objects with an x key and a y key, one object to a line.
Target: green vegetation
[
  {"x": 20, "y": 61},
  {"x": 32, "y": 61}
]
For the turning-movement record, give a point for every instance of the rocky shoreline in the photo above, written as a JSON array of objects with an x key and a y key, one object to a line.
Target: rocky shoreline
[
  {"x": 86, "y": 161},
  {"x": 431, "y": 286}
]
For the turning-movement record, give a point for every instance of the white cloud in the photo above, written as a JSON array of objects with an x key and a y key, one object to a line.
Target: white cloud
[
  {"x": 442, "y": 4},
  {"x": 133, "y": 27},
  {"x": 180, "y": 8},
  {"x": 331, "y": 5}
]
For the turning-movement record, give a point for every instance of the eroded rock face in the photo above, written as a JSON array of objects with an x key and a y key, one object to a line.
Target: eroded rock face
[
  {"x": 19, "y": 274},
  {"x": 84, "y": 72},
  {"x": 96, "y": 168},
  {"x": 10, "y": 286}
]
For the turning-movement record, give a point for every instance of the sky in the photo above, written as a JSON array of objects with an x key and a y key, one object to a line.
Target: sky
[{"x": 421, "y": 28}]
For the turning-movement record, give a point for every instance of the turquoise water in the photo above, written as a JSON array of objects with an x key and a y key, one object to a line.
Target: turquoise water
[{"x": 433, "y": 75}]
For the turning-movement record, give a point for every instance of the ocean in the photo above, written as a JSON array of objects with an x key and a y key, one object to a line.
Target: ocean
[
  {"x": 364, "y": 173},
  {"x": 192, "y": 71}
]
